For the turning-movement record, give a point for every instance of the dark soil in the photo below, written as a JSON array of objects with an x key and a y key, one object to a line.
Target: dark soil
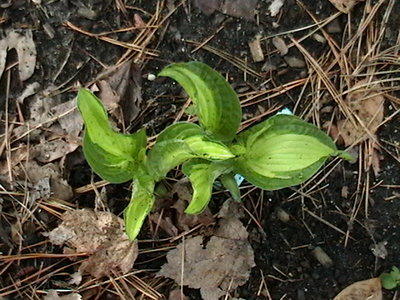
[{"x": 283, "y": 251}]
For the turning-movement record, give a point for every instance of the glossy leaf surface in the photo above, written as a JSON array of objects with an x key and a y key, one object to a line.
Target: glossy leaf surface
[
  {"x": 216, "y": 103},
  {"x": 282, "y": 151},
  {"x": 142, "y": 201},
  {"x": 229, "y": 182},
  {"x": 202, "y": 174},
  {"x": 112, "y": 155},
  {"x": 179, "y": 143}
]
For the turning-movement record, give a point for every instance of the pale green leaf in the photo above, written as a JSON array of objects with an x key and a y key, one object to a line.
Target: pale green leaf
[
  {"x": 142, "y": 201},
  {"x": 112, "y": 168},
  {"x": 282, "y": 151},
  {"x": 202, "y": 174},
  {"x": 166, "y": 155},
  {"x": 229, "y": 182},
  {"x": 205, "y": 148},
  {"x": 216, "y": 103},
  {"x": 180, "y": 142},
  {"x": 179, "y": 131},
  {"x": 111, "y": 155}
]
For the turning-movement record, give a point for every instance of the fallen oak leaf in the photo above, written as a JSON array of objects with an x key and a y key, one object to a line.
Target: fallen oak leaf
[
  {"x": 218, "y": 267},
  {"x": 370, "y": 289}
]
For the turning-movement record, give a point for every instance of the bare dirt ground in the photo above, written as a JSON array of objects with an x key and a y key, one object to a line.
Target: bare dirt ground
[{"x": 338, "y": 70}]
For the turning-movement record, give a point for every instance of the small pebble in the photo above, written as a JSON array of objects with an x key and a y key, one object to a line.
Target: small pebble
[
  {"x": 282, "y": 215},
  {"x": 280, "y": 45},
  {"x": 269, "y": 67},
  {"x": 87, "y": 13},
  {"x": 319, "y": 38},
  {"x": 151, "y": 77},
  {"x": 322, "y": 257},
  {"x": 295, "y": 62}
]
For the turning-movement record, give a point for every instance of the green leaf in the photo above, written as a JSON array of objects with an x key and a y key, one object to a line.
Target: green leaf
[
  {"x": 202, "y": 174},
  {"x": 229, "y": 182},
  {"x": 282, "y": 151},
  {"x": 217, "y": 104},
  {"x": 205, "y": 148},
  {"x": 388, "y": 282},
  {"x": 166, "y": 155},
  {"x": 179, "y": 131},
  {"x": 108, "y": 166},
  {"x": 112, "y": 155},
  {"x": 391, "y": 280},
  {"x": 142, "y": 201},
  {"x": 180, "y": 142}
]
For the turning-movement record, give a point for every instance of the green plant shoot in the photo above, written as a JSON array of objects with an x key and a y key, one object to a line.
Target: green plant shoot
[
  {"x": 391, "y": 280},
  {"x": 279, "y": 152}
]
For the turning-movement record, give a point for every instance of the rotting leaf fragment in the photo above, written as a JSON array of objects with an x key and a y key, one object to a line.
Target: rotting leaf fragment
[
  {"x": 100, "y": 234},
  {"x": 26, "y": 51},
  {"x": 370, "y": 289},
  {"x": 221, "y": 265}
]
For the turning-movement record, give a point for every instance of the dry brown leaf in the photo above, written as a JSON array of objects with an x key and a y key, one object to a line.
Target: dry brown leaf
[
  {"x": 59, "y": 188},
  {"x": 367, "y": 104},
  {"x": 173, "y": 204},
  {"x": 121, "y": 92},
  {"x": 119, "y": 254},
  {"x": 216, "y": 267},
  {"x": 176, "y": 294},
  {"x": 86, "y": 230},
  {"x": 53, "y": 295},
  {"x": 71, "y": 120},
  {"x": 370, "y": 289},
  {"x": 99, "y": 233},
  {"x": 49, "y": 151},
  {"x": 345, "y": 6},
  {"x": 185, "y": 194},
  {"x": 23, "y": 43}
]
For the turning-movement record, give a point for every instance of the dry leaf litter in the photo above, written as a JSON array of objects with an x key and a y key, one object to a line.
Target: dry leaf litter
[
  {"x": 345, "y": 6},
  {"x": 366, "y": 103},
  {"x": 217, "y": 266},
  {"x": 99, "y": 234},
  {"x": 53, "y": 295},
  {"x": 22, "y": 42},
  {"x": 370, "y": 289},
  {"x": 169, "y": 214}
]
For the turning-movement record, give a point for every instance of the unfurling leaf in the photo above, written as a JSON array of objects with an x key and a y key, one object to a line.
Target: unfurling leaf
[
  {"x": 140, "y": 205},
  {"x": 282, "y": 151},
  {"x": 202, "y": 174},
  {"x": 112, "y": 155},
  {"x": 179, "y": 143},
  {"x": 217, "y": 104}
]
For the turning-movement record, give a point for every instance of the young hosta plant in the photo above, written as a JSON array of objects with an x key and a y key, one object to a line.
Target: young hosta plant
[{"x": 280, "y": 152}]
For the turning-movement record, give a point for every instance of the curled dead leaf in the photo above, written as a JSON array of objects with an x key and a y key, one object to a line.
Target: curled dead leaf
[
  {"x": 367, "y": 104},
  {"x": 100, "y": 234},
  {"x": 345, "y": 6},
  {"x": 370, "y": 289},
  {"x": 23, "y": 43},
  {"x": 216, "y": 267}
]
